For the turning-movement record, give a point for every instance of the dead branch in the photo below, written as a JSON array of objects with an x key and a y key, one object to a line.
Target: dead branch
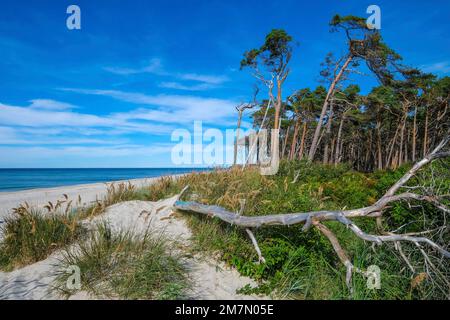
[
  {"x": 343, "y": 216},
  {"x": 339, "y": 251},
  {"x": 255, "y": 244}
]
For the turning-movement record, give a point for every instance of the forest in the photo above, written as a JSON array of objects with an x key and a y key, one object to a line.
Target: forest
[
  {"x": 380, "y": 158},
  {"x": 397, "y": 122}
]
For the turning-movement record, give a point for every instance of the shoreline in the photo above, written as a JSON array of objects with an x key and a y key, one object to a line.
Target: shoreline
[{"x": 40, "y": 196}]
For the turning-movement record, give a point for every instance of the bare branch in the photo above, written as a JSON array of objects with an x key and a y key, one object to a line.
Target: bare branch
[
  {"x": 339, "y": 251},
  {"x": 255, "y": 244}
]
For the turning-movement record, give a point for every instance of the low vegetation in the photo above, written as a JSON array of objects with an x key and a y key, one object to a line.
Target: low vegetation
[
  {"x": 304, "y": 265},
  {"x": 299, "y": 265},
  {"x": 31, "y": 235},
  {"x": 123, "y": 265}
]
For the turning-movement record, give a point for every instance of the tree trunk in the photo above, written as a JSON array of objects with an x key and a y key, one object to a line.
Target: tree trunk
[
  {"x": 425, "y": 135},
  {"x": 327, "y": 135},
  {"x": 312, "y": 150},
  {"x": 414, "y": 132},
  {"x": 391, "y": 148},
  {"x": 368, "y": 150},
  {"x": 380, "y": 158},
  {"x": 302, "y": 143},
  {"x": 337, "y": 156},
  {"x": 402, "y": 134},
  {"x": 294, "y": 139},
  {"x": 285, "y": 142},
  {"x": 237, "y": 137},
  {"x": 405, "y": 160},
  {"x": 332, "y": 144},
  {"x": 276, "y": 125},
  {"x": 394, "y": 161}
]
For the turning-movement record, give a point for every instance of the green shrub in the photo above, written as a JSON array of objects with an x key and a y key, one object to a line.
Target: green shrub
[{"x": 298, "y": 264}]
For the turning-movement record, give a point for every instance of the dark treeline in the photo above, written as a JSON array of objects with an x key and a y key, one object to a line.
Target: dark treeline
[{"x": 397, "y": 122}]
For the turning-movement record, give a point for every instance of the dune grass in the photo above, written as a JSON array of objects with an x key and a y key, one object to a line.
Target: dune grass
[
  {"x": 31, "y": 235},
  {"x": 298, "y": 265},
  {"x": 113, "y": 264},
  {"x": 115, "y": 193},
  {"x": 126, "y": 266}
]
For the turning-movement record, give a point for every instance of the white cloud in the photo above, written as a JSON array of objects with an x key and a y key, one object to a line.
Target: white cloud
[
  {"x": 60, "y": 141},
  {"x": 180, "y": 86},
  {"x": 50, "y": 133},
  {"x": 32, "y": 126},
  {"x": 83, "y": 156},
  {"x": 155, "y": 67},
  {"x": 27, "y": 116},
  {"x": 211, "y": 79},
  {"x": 43, "y": 118},
  {"x": 46, "y": 136},
  {"x": 172, "y": 108}
]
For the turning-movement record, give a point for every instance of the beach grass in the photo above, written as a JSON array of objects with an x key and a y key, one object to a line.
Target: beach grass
[
  {"x": 123, "y": 265},
  {"x": 299, "y": 265},
  {"x": 302, "y": 265},
  {"x": 31, "y": 235},
  {"x": 115, "y": 193}
]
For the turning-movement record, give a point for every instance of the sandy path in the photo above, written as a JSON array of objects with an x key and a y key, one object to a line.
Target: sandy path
[{"x": 210, "y": 279}]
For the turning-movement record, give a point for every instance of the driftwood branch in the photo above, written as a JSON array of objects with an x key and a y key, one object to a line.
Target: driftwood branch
[
  {"x": 339, "y": 251},
  {"x": 255, "y": 244}
]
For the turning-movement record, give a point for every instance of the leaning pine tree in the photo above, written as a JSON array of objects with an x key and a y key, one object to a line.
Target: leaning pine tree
[{"x": 364, "y": 44}]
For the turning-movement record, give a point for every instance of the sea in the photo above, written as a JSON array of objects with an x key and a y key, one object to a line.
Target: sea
[{"x": 24, "y": 179}]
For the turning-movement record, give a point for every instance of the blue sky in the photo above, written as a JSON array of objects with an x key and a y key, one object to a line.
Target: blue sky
[{"x": 111, "y": 94}]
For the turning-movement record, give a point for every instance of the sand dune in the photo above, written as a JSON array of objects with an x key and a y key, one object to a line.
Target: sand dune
[
  {"x": 211, "y": 279},
  {"x": 36, "y": 197}
]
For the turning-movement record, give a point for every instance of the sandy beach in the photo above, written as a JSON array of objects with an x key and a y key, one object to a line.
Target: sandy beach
[{"x": 211, "y": 279}]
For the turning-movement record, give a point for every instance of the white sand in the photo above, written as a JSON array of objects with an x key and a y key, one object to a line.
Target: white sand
[
  {"x": 37, "y": 197},
  {"x": 210, "y": 279}
]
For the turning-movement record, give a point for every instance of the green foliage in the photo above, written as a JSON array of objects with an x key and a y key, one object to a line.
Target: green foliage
[
  {"x": 32, "y": 236},
  {"x": 277, "y": 44},
  {"x": 275, "y": 53},
  {"x": 120, "y": 264},
  {"x": 385, "y": 179},
  {"x": 350, "y": 21},
  {"x": 298, "y": 264}
]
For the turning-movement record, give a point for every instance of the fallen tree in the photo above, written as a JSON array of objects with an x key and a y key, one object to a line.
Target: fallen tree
[{"x": 316, "y": 218}]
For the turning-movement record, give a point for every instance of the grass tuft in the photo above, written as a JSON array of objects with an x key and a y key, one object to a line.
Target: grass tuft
[
  {"x": 115, "y": 193},
  {"x": 31, "y": 235},
  {"x": 123, "y": 265}
]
